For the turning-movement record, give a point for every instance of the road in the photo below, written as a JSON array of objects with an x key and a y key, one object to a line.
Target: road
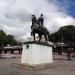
[{"x": 61, "y": 67}]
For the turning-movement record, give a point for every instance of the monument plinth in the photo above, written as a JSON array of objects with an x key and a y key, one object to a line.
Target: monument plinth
[{"x": 36, "y": 53}]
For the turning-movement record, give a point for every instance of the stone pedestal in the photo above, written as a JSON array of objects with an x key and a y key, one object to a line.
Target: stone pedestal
[{"x": 35, "y": 53}]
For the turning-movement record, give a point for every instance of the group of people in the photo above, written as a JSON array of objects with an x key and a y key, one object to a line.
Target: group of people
[{"x": 38, "y": 21}]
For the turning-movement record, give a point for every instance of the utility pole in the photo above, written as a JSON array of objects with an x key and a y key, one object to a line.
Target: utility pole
[{"x": 62, "y": 43}]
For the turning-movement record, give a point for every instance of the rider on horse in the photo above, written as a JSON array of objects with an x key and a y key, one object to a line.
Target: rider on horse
[
  {"x": 37, "y": 27},
  {"x": 41, "y": 20},
  {"x": 33, "y": 21},
  {"x": 37, "y": 23}
]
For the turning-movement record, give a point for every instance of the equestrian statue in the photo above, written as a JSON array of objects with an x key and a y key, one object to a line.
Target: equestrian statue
[{"x": 38, "y": 28}]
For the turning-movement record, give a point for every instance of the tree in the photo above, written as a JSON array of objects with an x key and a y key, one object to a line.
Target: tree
[
  {"x": 10, "y": 40},
  {"x": 2, "y": 37},
  {"x": 68, "y": 33},
  {"x": 6, "y": 39}
]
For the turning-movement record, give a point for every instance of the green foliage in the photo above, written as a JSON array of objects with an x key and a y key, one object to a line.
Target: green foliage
[
  {"x": 6, "y": 39},
  {"x": 68, "y": 33},
  {"x": 2, "y": 37},
  {"x": 10, "y": 40}
]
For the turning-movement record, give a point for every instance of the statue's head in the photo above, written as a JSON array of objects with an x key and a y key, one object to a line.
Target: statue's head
[
  {"x": 33, "y": 16},
  {"x": 41, "y": 14}
]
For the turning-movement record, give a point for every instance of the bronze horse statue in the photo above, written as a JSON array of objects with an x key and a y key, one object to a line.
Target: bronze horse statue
[{"x": 40, "y": 30}]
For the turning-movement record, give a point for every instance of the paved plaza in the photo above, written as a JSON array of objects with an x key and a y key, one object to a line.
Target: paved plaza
[{"x": 59, "y": 67}]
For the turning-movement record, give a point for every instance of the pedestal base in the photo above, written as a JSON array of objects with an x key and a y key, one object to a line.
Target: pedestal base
[
  {"x": 33, "y": 67},
  {"x": 35, "y": 53}
]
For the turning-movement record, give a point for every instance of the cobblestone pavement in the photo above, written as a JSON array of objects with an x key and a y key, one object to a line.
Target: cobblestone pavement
[{"x": 59, "y": 67}]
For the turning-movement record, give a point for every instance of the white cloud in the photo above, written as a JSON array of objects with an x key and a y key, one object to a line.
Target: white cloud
[{"x": 15, "y": 16}]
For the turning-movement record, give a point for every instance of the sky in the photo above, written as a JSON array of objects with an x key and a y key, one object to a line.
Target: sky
[{"x": 15, "y": 15}]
